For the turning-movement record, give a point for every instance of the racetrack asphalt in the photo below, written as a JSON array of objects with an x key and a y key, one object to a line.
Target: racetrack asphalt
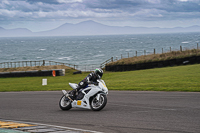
[{"x": 125, "y": 112}]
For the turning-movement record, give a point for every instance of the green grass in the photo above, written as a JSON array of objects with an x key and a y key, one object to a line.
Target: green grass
[
  {"x": 157, "y": 57},
  {"x": 179, "y": 78}
]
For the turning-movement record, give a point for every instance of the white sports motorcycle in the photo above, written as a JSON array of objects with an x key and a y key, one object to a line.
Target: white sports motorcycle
[{"x": 92, "y": 97}]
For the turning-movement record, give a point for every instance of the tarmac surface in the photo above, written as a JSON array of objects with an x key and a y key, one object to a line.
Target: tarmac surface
[{"x": 125, "y": 112}]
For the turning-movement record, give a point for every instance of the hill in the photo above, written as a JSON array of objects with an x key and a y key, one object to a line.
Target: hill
[
  {"x": 157, "y": 57},
  {"x": 174, "y": 58}
]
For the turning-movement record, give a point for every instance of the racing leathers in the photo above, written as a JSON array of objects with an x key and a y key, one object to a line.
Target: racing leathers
[{"x": 90, "y": 79}]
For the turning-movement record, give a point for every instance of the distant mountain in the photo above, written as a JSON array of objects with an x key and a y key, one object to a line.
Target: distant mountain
[
  {"x": 94, "y": 28},
  {"x": 15, "y": 32},
  {"x": 83, "y": 28}
]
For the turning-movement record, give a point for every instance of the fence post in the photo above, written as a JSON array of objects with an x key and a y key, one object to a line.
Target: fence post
[
  {"x": 162, "y": 50},
  {"x": 197, "y": 46},
  {"x": 121, "y": 56},
  {"x": 43, "y": 63},
  {"x": 128, "y": 54},
  {"x": 170, "y": 49},
  {"x": 112, "y": 59},
  {"x": 136, "y": 53},
  {"x": 154, "y": 51},
  {"x": 181, "y": 48}
]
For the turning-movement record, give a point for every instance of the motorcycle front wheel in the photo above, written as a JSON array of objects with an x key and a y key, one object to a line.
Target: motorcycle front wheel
[
  {"x": 65, "y": 103},
  {"x": 97, "y": 105}
]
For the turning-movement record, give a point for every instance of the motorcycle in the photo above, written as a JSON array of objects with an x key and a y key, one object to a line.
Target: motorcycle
[{"x": 94, "y": 97}]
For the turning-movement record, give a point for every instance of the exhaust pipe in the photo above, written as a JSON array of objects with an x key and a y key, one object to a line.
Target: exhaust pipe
[{"x": 66, "y": 94}]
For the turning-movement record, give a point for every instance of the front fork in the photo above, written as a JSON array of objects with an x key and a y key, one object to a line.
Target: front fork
[{"x": 98, "y": 97}]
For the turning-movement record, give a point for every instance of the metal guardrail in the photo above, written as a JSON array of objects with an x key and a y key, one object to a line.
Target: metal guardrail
[{"x": 106, "y": 62}]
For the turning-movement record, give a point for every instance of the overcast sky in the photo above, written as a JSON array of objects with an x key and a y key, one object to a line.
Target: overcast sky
[{"x": 40, "y": 15}]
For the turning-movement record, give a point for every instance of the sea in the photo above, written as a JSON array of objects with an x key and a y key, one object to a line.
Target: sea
[{"x": 92, "y": 50}]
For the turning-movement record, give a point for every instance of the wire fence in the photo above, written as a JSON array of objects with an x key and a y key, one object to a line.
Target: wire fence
[
  {"x": 33, "y": 64},
  {"x": 154, "y": 51}
]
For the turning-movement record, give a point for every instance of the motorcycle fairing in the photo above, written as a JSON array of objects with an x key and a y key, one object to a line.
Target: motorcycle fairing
[{"x": 85, "y": 103}]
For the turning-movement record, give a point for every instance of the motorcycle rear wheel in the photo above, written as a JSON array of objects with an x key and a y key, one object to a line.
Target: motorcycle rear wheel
[
  {"x": 98, "y": 105},
  {"x": 65, "y": 103}
]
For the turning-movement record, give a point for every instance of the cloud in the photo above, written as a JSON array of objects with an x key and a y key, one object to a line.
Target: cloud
[
  {"x": 68, "y": 1},
  {"x": 43, "y": 1},
  {"x": 147, "y": 10}
]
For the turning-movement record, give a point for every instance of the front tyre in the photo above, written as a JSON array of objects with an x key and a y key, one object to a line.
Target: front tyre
[
  {"x": 97, "y": 105},
  {"x": 65, "y": 103}
]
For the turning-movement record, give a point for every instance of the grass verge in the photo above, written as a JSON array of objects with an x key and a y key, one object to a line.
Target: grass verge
[
  {"x": 34, "y": 68},
  {"x": 179, "y": 78},
  {"x": 157, "y": 57}
]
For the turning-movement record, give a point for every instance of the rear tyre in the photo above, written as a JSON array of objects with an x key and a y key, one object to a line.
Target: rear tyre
[
  {"x": 65, "y": 103},
  {"x": 98, "y": 105}
]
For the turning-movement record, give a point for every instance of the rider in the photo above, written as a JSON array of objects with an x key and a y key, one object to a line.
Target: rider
[{"x": 91, "y": 78}]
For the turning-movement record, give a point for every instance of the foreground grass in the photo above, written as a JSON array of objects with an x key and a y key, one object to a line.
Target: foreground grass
[{"x": 180, "y": 78}]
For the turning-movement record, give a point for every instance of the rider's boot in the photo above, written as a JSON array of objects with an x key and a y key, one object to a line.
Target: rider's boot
[{"x": 73, "y": 93}]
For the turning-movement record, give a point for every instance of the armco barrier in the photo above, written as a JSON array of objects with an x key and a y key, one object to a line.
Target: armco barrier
[
  {"x": 59, "y": 72},
  {"x": 155, "y": 64}
]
